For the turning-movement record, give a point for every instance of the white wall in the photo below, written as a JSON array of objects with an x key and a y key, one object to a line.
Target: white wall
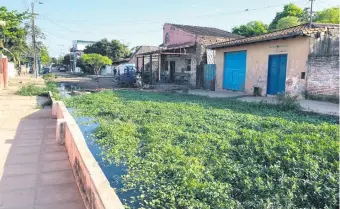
[{"x": 11, "y": 70}]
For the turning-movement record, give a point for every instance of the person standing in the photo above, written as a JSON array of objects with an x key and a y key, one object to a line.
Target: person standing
[{"x": 114, "y": 72}]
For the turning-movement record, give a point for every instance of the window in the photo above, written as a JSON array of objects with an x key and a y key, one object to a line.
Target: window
[
  {"x": 188, "y": 62},
  {"x": 303, "y": 75},
  {"x": 166, "y": 63}
]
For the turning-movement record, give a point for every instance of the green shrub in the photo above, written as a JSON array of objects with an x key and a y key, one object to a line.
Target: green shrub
[
  {"x": 286, "y": 101},
  {"x": 184, "y": 151},
  {"x": 49, "y": 76},
  {"x": 31, "y": 90},
  {"x": 34, "y": 90}
]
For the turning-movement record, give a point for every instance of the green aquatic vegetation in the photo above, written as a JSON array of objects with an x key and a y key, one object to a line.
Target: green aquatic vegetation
[{"x": 183, "y": 151}]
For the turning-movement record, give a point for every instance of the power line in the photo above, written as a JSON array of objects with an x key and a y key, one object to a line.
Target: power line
[
  {"x": 25, "y": 4},
  {"x": 110, "y": 32},
  {"x": 326, "y": 3},
  {"x": 56, "y": 35},
  {"x": 174, "y": 18},
  {"x": 59, "y": 25}
]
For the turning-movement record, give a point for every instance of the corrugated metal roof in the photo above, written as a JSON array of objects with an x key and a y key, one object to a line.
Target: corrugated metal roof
[{"x": 279, "y": 34}]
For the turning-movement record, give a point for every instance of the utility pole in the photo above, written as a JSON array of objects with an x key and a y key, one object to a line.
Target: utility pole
[
  {"x": 34, "y": 44},
  {"x": 33, "y": 38},
  {"x": 311, "y": 13}
]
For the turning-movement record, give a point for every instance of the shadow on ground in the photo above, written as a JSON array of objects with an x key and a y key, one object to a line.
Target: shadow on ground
[{"x": 35, "y": 172}]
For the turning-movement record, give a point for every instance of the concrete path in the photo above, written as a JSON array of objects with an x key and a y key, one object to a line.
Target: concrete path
[
  {"x": 307, "y": 105},
  {"x": 326, "y": 108},
  {"x": 34, "y": 171},
  {"x": 215, "y": 94}
]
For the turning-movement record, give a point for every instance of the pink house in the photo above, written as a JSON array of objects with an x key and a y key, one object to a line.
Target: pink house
[{"x": 182, "y": 55}]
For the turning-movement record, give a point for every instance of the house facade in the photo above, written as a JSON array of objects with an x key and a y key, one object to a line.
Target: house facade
[
  {"x": 182, "y": 55},
  {"x": 299, "y": 60}
]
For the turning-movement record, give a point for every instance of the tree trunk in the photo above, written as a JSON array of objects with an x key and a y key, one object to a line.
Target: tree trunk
[{"x": 96, "y": 71}]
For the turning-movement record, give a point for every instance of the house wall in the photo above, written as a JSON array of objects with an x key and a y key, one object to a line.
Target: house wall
[
  {"x": 208, "y": 40},
  {"x": 173, "y": 36},
  {"x": 297, "y": 50},
  {"x": 323, "y": 75},
  {"x": 181, "y": 66},
  {"x": 323, "y": 64}
]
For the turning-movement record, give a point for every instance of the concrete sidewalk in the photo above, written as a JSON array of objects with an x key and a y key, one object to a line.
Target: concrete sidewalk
[
  {"x": 326, "y": 108},
  {"x": 307, "y": 105},
  {"x": 34, "y": 171}
]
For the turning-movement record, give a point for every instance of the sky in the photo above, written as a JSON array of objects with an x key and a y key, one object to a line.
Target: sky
[{"x": 136, "y": 22}]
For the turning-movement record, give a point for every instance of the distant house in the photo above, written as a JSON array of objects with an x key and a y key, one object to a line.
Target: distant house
[
  {"x": 182, "y": 55},
  {"x": 133, "y": 58},
  {"x": 131, "y": 61},
  {"x": 297, "y": 60},
  {"x": 141, "y": 50}
]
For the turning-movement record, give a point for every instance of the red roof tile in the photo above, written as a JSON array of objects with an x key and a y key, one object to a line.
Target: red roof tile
[{"x": 279, "y": 34}]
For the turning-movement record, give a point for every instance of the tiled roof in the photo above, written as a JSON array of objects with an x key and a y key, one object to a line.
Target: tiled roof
[
  {"x": 299, "y": 30},
  {"x": 205, "y": 31}
]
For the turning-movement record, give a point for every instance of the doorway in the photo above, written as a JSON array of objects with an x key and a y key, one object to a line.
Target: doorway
[
  {"x": 235, "y": 70},
  {"x": 172, "y": 71},
  {"x": 277, "y": 65}
]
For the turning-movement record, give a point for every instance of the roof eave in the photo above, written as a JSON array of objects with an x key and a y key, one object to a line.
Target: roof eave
[{"x": 216, "y": 46}]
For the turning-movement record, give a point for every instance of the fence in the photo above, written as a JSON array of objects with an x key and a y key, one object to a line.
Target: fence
[{"x": 209, "y": 77}]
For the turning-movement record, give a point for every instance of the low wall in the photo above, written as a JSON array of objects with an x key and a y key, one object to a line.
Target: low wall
[
  {"x": 93, "y": 185},
  {"x": 3, "y": 71}
]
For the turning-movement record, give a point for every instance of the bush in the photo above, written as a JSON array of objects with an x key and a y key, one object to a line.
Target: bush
[
  {"x": 31, "y": 90},
  {"x": 184, "y": 151},
  {"x": 286, "y": 101},
  {"x": 34, "y": 90},
  {"x": 49, "y": 76}
]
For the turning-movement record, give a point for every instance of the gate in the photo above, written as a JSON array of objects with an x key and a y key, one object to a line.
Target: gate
[{"x": 209, "y": 77}]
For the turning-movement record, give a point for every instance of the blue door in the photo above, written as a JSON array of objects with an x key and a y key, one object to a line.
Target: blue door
[
  {"x": 234, "y": 70},
  {"x": 209, "y": 76},
  {"x": 277, "y": 73}
]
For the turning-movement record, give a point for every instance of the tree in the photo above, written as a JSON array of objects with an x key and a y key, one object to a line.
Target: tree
[
  {"x": 39, "y": 37},
  {"x": 66, "y": 59},
  {"x": 252, "y": 28},
  {"x": 44, "y": 57},
  {"x": 115, "y": 50},
  {"x": 287, "y": 22},
  {"x": 96, "y": 61},
  {"x": 12, "y": 34},
  {"x": 288, "y": 10},
  {"x": 57, "y": 60},
  {"x": 329, "y": 15}
]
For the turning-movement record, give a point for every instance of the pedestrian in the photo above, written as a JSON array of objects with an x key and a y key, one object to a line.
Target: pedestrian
[{"x": 114, "y": 72}]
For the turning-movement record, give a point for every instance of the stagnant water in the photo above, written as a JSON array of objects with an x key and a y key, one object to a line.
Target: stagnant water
[{"x": 112, "y": 172}]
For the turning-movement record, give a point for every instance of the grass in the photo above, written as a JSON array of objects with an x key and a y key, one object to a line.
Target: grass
[
  {"x": 34, "y": 90},
  {"x": 184, "y": 151}
]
